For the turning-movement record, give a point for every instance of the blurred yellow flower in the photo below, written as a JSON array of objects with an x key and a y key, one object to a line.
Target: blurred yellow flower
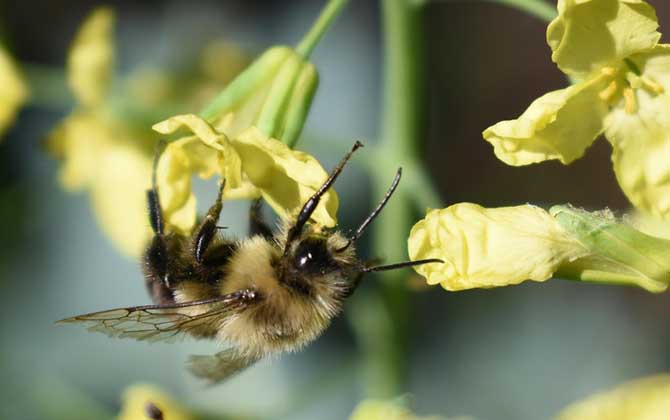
[
  {"x": 642, "y": 399},
  {"x": 484, "y": 247},
  {"x": 142, "y": 400},
  {"x": 386, "y": 410},
  {"x": 252, "y": 164},
  {"x": 14, "y": 91},
  {"x": 610, "y": 47},
  {"x": 90, "y": 62},
  {"x": 100, "y": 154}
]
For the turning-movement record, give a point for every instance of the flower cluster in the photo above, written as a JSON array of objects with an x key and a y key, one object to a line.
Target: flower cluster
[
  {"x": 611, "y": 49},
  {"x": 622, "y": 89}
]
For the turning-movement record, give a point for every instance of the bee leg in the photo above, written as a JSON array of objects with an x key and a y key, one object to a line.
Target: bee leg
[
  {"x": 208, "y": 228},
  {"x": 156, "y": 257},
  {"x": 257, "y": 225}
]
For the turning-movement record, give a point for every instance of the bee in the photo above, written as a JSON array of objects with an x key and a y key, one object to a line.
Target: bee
[{"x": 265, "y": 295}]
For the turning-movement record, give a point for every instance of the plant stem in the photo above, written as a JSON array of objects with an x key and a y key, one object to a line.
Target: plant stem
[
  {"x": 538, "y": 8},
  {"x": 48, "y": 87},
  {"x": 323, "y": 22},
  {"x": 384, "y": 322}
]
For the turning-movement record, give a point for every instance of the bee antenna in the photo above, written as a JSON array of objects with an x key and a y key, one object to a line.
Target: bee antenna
[
  {"x": 375, "y": 212},
  {"x": 311, "y": 204},
  {"x": 401, "y": 265}
]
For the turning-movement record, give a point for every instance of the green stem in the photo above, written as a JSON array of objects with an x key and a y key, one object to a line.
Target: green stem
[
  {"x": 402, "y": 128},
  {"x": 538, "y": 8},
  {"x": 325, "y": 19},
  {"x": 48, "y": 87}
]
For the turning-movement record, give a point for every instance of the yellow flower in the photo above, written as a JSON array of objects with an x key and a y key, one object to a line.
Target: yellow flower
[
  {"x": 252, "y": 164},
  {"x": 101, "y": 155},
  {"x": 14, "y": 91},
  {"x": 610, "y": 47},
  {"x": 385, "y": 410},
  {"x": 504, "y": 246},
  {"x": 642, "y": 399},
  {"x": 490, "y": 247},
  {"x": 141, "y": 400}
]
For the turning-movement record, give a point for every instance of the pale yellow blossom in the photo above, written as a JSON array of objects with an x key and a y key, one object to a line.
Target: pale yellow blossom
[
  {"x": 642, "y": 399},
  {"x": 622, "y": 89},
  {"x": 484, "y": 247}
]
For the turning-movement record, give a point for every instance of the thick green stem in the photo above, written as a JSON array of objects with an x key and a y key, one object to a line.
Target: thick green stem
[
  {"x": 538, "y": 8},
  {"x": 384, "y": 333},
  {"x": 325, "y": 19}
]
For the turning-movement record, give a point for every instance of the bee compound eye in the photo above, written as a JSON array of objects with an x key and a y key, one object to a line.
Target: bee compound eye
[{"x": 312, "y": 255}]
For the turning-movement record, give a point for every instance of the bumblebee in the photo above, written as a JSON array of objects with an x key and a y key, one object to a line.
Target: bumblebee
[{"x": 264, "y": 295}]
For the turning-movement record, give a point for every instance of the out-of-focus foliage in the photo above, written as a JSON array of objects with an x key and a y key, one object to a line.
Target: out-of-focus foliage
[
  {"x": 642, "y": 399},
  {"x": 622, "y": 88}
]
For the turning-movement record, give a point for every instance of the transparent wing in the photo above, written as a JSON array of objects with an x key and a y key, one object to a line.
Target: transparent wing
[
  {"x": 166, "y": 322},
  {"x": 220, "y": 366}
]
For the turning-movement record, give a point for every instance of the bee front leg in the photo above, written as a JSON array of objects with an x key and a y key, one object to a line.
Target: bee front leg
[
  {"x": 207, "y": 229},
  {"x": 156, "y": 257},
  {"x": 257, "y": 225}
]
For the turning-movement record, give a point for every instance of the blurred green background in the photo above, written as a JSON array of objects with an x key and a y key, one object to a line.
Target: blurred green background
[{"x": 520, "y": 352}]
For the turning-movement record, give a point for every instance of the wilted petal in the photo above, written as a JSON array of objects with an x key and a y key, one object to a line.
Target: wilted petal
[
  {"x": 559, "y": 125},
  {"x": 13, "y": 92},
  {"x": 484, "y": 247},
  {"x": 643, "y": 399},
  {"x": 286, "y": 178},
  {"x": 139, "y": 399},
  {"x": 588, "y": 35},
  {"x": 91, "y": 59},
  {"x": 641, "y": 152}
]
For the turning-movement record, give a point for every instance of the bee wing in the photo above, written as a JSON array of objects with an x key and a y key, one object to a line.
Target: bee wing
[
  {"x": 165, "y": 322},
  {"x": 222, "y": 365}
]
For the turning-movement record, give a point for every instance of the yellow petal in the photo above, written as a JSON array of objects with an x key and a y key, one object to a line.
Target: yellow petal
[
  {"x": 137, "y": 398},
  {"x": 179, "y": 161},
  {"x": 252, "y": 164},
  {"x": 641, "y": 141},
  {"x": 13, "y": 92},
  {"x": 78, "y": 141},
  {"x": 207, "y": 153},
  {"x": 490, "y": 247},
  {"x": 91, "y": 58},
  {"x": 385, "y": 410},
  {"x": 588, "y": 35},
  {"x": 118, "y": 197},
  {"x": 559, "y": 125},
  {"x": 113, "y": 165},
  {"x": 643, "y": 399},
  {"x": 286, "y": 178}
]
